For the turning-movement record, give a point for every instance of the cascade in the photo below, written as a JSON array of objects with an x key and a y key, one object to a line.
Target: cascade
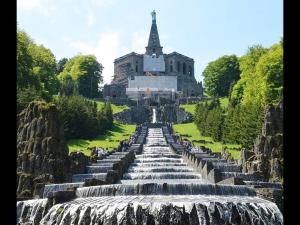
[{"x": 157, "y": 188}]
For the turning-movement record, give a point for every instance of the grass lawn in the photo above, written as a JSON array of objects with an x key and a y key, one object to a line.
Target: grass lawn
[
  {"x": 115, "y": 108},
  {"x": 110, "y": 140},
  {"x": 191, "y": 107},
  {"x": 190, "y": 132}
]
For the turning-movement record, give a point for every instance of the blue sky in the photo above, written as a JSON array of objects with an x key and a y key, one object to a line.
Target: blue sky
[{"x": 201, "y": 29}]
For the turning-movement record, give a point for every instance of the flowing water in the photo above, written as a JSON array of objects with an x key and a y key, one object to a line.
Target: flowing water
[
  {"x": 158, "y": 188},
  {"x": 153, "y": 115}
]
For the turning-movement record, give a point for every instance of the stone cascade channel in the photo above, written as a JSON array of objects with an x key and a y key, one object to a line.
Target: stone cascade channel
[{"x": 157, "y": 188}]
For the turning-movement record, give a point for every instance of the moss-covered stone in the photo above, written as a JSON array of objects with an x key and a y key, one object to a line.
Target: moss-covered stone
[{"x": 42, "y": 154}]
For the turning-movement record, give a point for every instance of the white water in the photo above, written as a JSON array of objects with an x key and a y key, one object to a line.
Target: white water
[
  {"x": 153, "y": 115},
  {"x": 158, "y": 182}
]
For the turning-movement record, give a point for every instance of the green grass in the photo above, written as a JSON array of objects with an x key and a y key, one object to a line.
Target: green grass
[
  {"x": 115, "y": 108},
  {"x": 108, "y": 141},
  {"x": 191, "y": 107},
  {"x": 190, "y": 131}
]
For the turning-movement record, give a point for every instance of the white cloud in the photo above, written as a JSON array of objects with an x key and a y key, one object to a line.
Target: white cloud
[
  {"x": 45, "y": 7},
  {"x": 139, "y": 41},
  {"x": 106, "y": 50},
  {"x": 109, "y": 47},
  {"x": 90, "y": 18},
  {"x": 101, "y": 3},
  {"x": 28, "y": 4}
]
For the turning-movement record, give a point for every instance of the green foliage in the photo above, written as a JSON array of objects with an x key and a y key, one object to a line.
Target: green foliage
[
  {"x": 68, "y": 86},
  {"x": 87, "y": 72},
  {"x": 269, "y": 70},
  {"x": 220, "y": 74},
  {"x": 44, "y": 67},
  {"x": 79, "y": 116},
  {"x": 105, "y": 117},
  {"x": 240, "y": 117},
  {"x": 115, "y": 108},
  {"x": 61, "y": 65},
  {"x": 247, "y": 67},
  {"x": 25, "y": 96},
  {"x": 36, "y": 78},
  {"x": 25, "y": 77},
  {"x": 189, "y": 131},
  {"x": 209, "y": 119}
]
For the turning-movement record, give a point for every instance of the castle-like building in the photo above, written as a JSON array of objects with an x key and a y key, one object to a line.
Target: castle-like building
[{"x": 137, "y": 75}]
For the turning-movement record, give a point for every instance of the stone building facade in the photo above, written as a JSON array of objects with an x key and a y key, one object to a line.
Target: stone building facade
[{"x": 173, "y": 64}]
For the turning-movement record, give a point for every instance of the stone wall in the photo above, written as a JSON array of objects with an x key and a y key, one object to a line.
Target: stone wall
[
  {"x": 134, "y": 115},
  {"x": 266, "y": 156},
  {"x": 42, "y": 154},
  {"x": 173, "y": 114},
  {"x": 165, "y": 113}
]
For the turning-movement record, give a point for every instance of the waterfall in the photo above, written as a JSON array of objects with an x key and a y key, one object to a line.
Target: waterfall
[
  {"x": 31, "y": 211},
  {"x": 153, "y": 115},
  {"x": 164, "y": 189},
  {"x": 157, "y": 188},
  {"x": 128, "y": 210}
]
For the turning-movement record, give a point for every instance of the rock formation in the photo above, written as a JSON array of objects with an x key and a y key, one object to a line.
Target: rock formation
[
  {"x": 42, "y": 154},
  {"x": 266, "y": 156},
  {"x": 172, "y": 113},
  {"x": 134, "y": 115}
]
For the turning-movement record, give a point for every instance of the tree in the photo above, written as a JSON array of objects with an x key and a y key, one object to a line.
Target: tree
[
  {"x": 87, "y": 72},
  {"x": 44, "y": 67},
  {"x": 79, "y": 116},
  {"x": 109, "y": 115},
  {"x": 68, "y": 86},
  {"x": 61, "y": 65},
  {"x": 269, "y": 70},
  {"x": 219, "y": 75},
  {"x": 25, "y": 96},
  {"x": 25, "y": 77},
  {"x": 247, "y": 77}
]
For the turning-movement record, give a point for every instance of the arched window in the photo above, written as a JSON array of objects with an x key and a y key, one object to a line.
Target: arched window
[
  {"x": 136, "y": 67},
  {"x": 184, "y": 68},
  {"x": 171, "y": 66},
  {"x": 178, "y": 66},
  {"x": 190, "y": 71}
]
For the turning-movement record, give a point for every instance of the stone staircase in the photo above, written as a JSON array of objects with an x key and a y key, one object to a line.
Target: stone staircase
[
  {"x": 107, "y": 170},
  {"x": 153, "y": 182}
]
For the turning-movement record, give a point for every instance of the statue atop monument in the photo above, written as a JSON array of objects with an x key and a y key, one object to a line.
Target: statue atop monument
[{"x": 153, "y": 14}]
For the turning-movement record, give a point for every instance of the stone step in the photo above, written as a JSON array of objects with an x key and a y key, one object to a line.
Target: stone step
[
  {"x": 59, "y": 187},
  {"x": 263, "y": 184},
  {"x": 81, "y": 177},
  {"x": 98, "y": 169}
]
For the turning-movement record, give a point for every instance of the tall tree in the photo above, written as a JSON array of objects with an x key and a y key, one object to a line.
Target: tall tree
[
  {"x": 25, "y": 77},
  {"x": 247, "y": 67},
  {"x": 44, "y": 67},
  {"x": 87, "y": 72},
  {"x": 219, "y": 75},
  {"x": 61, "y": 65}
]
